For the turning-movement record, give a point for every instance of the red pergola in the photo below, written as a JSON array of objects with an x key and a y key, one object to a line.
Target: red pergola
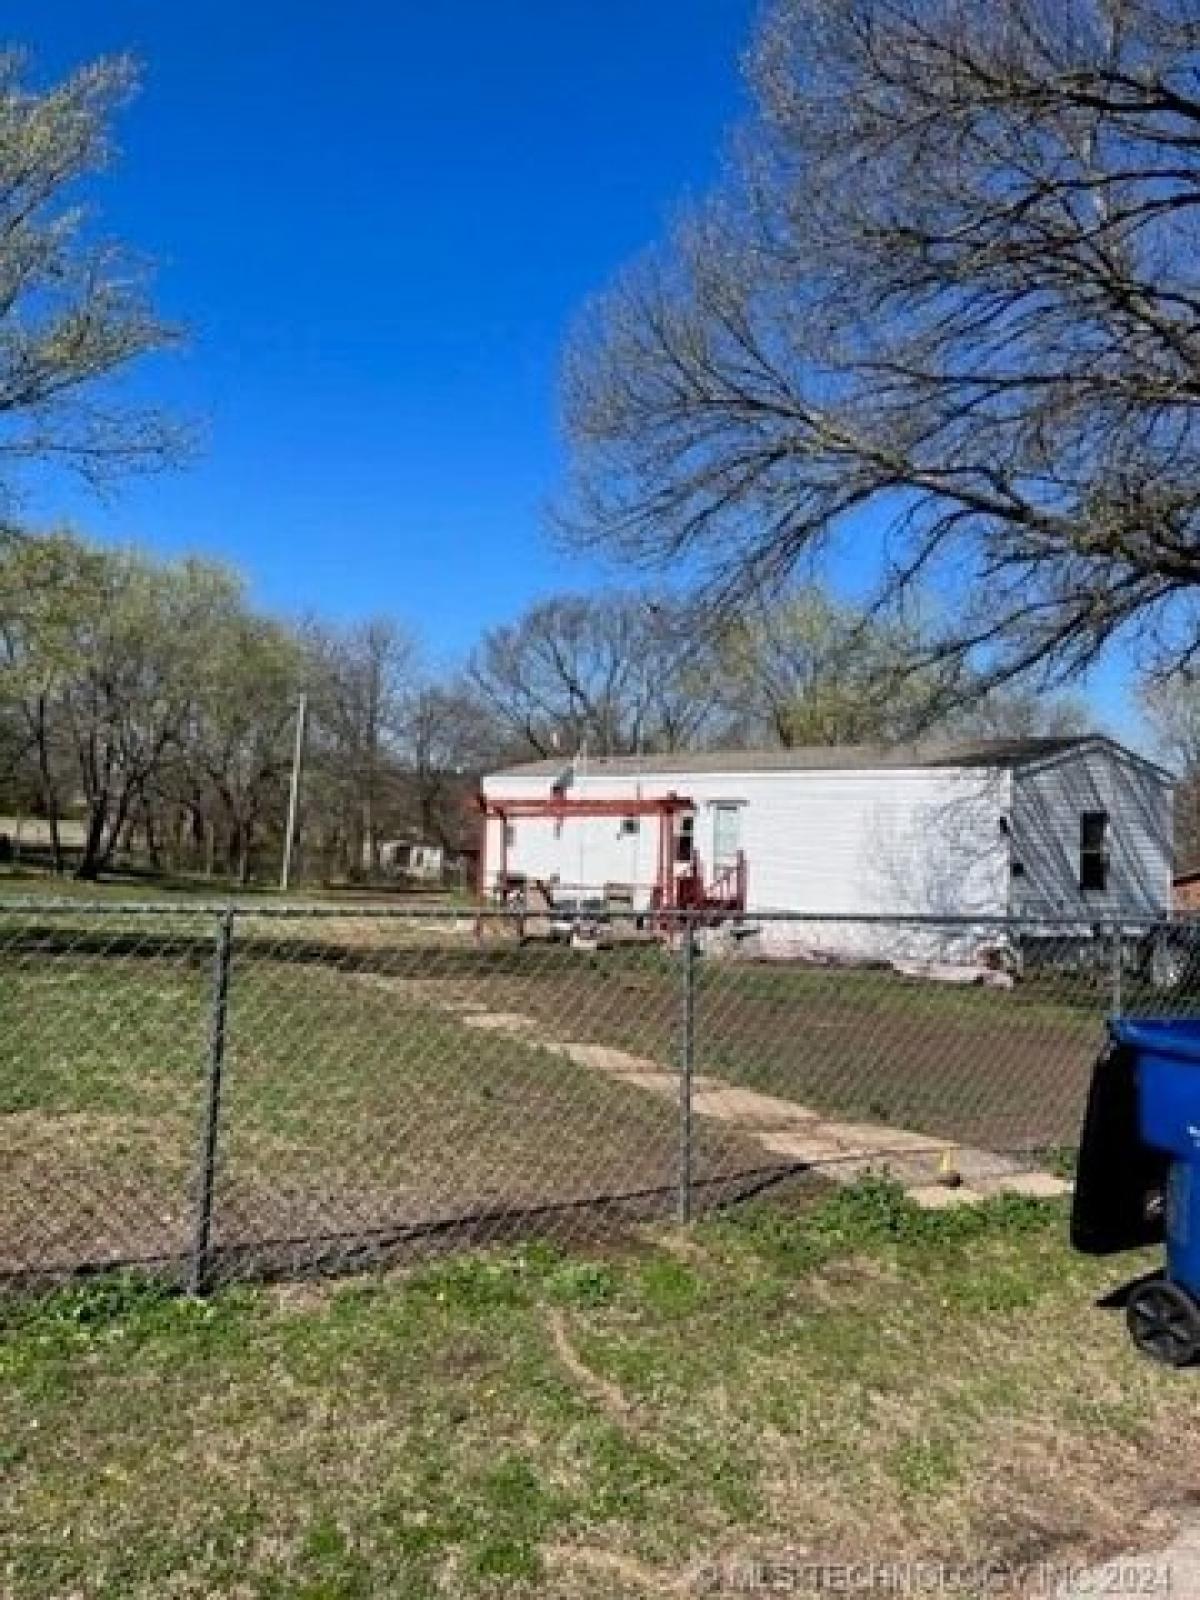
[{"x": 557, "y": 807}]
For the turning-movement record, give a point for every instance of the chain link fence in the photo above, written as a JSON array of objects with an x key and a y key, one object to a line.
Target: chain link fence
[{"x": 213, "y": 1093}]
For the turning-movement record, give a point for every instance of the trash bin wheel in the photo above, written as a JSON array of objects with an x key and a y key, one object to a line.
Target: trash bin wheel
[{"x": 1164, "y": 1322}]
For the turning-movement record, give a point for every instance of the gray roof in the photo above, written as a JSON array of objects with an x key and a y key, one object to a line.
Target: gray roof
[{"x": 827, "y": 758}]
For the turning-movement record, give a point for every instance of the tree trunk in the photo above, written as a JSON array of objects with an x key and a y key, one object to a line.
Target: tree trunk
[
  {"x": 56, "y": 849},
  {"x": 49, "y": 789},
  {"x": 370, "y": 833},
  {"x": 91, "y": 860},
  {"x": 355, "y": 849},
  {"x": 101, "y": 843},
  {"x": 150, "y": 829},
  {"x": 427, "y": 798}
]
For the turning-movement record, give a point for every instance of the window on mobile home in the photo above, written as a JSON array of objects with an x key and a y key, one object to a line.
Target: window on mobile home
[{"x": 1093, "y": 850}]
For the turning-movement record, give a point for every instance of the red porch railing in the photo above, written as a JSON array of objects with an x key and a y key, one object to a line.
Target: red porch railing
[
  {"x": 726, "y": 892},
  {"x": 728, "y": 888}
]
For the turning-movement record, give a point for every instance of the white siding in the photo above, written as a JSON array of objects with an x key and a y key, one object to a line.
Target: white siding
[
  {"x": 581, "y": 854},
  {"x": 921, "y": 841},
  {"x": 1048, "y": 801}
]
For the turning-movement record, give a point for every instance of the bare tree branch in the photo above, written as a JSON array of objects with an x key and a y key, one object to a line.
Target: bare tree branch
[{"x": 951, "y": 291}]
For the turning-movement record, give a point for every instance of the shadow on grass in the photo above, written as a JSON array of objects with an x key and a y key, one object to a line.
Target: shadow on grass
[{"x": 586, "y": 1219}]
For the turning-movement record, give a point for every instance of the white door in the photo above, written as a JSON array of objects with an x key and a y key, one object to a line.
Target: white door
[{"x": 727, "y": 837}]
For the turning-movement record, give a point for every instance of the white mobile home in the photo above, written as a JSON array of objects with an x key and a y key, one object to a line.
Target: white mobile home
[
  {"x": 1056, "y": 826},
  {"x": 411, "y": 857}
]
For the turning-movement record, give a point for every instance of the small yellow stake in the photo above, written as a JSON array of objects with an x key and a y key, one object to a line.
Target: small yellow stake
[{"x": 948, "y": 1174}]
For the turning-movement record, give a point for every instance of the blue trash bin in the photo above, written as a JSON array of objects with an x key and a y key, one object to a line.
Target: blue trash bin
[
  {"x": 1164, "y": 1054},
  {"x": 1167, "y": 1065}
]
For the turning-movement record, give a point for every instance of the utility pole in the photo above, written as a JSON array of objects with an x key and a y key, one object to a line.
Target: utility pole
[{"x": 289, "y": 842}]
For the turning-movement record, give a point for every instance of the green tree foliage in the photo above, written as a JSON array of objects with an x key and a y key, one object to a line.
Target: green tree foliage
[
  {"x": 74, "y": 314},
  {"x": 107, "y": 653},
  {"x": 229, "y": 777},
  {"x": 149, "y": 701},
  {"x": 806, "y": 670}
]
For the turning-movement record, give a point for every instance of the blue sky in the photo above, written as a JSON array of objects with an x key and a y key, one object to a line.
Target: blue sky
[{"x": 377, "y": 220}]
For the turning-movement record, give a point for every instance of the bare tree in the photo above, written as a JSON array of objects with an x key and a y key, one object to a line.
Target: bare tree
[
  {"x": 612, "y": 672},
  {"x": 1172, "y": 709},
  {"x": 361, "y": 678},
  {"x": 947, "y": 307},
  {"x": 449, "y": 740},
  {"x": 73, "y": 310},
  {"x": 1022, "y": 714}
]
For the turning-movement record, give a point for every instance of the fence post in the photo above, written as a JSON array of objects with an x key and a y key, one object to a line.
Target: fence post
[
  {"x": 1118, "y": 965},
  {"x": 687, "y": 1065},
  {"x": 207, "y": 1166}
]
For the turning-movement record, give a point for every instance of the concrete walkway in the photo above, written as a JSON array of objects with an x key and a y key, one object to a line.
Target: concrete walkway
[{"x": 935, "y": 1172}]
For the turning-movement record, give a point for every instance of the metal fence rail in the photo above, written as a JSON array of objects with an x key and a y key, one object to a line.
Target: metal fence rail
[{"x": 210, "y": 1092}]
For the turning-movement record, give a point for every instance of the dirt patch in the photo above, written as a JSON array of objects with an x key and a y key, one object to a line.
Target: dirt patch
[
  {"x": 91, "y": 1187},
  {"x": 585, "y": 1563}
]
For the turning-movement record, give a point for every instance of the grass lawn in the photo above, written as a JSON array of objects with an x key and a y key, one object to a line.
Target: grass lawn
[
  {"x": 1005, "y": 1069},
  {"x": 348, "y": 1107},
  {"x": 22, "y": 882},
  {"x": 850, "y": 1380},
  {"x": 359, "y": 1100},
  {"x": 997, "y": 1068},
  {"x": 1000, "y": 1068}
]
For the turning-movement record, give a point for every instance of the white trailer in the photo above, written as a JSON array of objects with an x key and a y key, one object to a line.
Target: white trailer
[{"x": 1064, "y": 827}]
